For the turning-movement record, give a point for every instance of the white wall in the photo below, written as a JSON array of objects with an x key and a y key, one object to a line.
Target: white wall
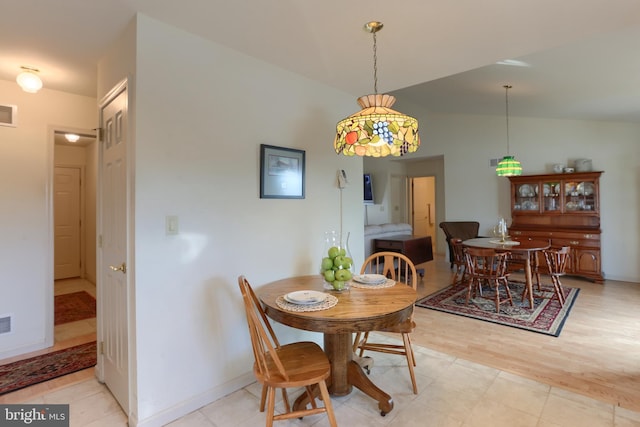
[
  {"x": 474, "y": 192},
  {"x": 26, "y": 171},
  {"x": 381, "y": 170},
  {"x": 201, "y": 113}
]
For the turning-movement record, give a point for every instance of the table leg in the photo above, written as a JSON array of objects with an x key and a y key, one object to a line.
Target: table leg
[
  {"x": 528, "y": 280},
  {"x": 347, "y": 373},
  {"x": 338, "y": 348},
  {"x": 360, "y": 380}
]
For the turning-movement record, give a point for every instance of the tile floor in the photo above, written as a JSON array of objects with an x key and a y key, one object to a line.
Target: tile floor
[{"x": 453, "y": 392}]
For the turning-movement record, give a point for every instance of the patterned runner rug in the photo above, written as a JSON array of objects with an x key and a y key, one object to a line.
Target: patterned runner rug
[
  {"x": 74, "y": 306},
  {"x": 27, "y": 372},
  {"x": 547, "y": 317}
]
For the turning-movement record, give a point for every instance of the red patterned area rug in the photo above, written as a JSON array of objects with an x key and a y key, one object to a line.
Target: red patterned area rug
[
  {"x": 27, "y": 372},
  {"x": 74, "y": 306},
  {"x": 547, "y": 317}
]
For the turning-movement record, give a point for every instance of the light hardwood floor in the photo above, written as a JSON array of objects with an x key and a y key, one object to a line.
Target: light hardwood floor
[
  {"x": 589, "y": 376},
  {"x": 596, "y": 355}
]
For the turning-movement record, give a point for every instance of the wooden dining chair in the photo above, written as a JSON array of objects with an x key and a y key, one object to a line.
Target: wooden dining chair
[
  {"x": 299, "y": 364},
  {"x": 490, "y": 267},
  {"x": 460, "y": 274},
  {"x": 462, "y": 230},
  {"x": 556, "y": 260},
  {"x": 398, "y": 267}
]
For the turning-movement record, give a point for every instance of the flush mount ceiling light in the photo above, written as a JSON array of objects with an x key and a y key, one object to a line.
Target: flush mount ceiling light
[
  {"x": 376, "y": 130},
  {"x": 29, "y": 80},
  {"x": 508, "y": 166},
  {"x": 72, "y": 137}
]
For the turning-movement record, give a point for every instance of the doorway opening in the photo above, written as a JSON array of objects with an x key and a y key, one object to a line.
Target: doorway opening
[
  {"x": 74, "y": 227},
  {"x": 423, "y": 207}
]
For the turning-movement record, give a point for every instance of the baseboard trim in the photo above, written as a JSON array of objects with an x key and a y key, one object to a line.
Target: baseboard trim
[{"x": 196, "y": 402}]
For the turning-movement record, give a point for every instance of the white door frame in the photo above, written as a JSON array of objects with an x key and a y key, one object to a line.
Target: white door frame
[{"x": 49, "y": 273}]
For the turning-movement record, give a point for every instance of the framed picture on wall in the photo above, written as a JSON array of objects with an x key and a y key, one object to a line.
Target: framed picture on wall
[{"x": 281, "y": 172}]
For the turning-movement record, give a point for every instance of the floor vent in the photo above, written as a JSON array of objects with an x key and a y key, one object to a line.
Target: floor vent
[{"x": 5, "y": 324}]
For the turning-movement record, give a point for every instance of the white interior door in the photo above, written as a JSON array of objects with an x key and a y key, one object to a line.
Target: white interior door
[
  {"x": 66, "y": 217},
  {"x": 114, "y": 301}
]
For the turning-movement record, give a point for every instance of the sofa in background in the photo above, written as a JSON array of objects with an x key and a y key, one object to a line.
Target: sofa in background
[{"x": 379, "y": 231}]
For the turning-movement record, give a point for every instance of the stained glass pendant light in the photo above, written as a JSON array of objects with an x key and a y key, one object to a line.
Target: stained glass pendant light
[
  {"x": 508, "y": 166},
  {"x": 376, "y": 130}
]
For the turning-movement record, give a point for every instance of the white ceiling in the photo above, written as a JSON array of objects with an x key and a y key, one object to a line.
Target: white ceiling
[{"x": 584, "y": 55}]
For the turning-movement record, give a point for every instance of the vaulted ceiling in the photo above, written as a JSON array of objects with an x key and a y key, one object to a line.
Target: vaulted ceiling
[{"x": 582, "y": 56}]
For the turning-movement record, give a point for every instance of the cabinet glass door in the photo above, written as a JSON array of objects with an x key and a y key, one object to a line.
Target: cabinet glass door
[
  {"x": 551, "y": 196},
  {"x": 526, "y": 197},
  {"x": 579, "y": 196}
]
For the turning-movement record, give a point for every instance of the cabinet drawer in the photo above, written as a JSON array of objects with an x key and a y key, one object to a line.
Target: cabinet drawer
[
  {"x": 575, "y": 235},
  {"x": 577, "y": 241},
  {"x": 522, "y": 234},
  {"x": 386, "y": 244}
]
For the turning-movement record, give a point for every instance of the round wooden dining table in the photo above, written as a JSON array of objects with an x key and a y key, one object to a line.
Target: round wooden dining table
[
  {"x": 524, "y": 247},
  {"x": 357, "y": 310}
]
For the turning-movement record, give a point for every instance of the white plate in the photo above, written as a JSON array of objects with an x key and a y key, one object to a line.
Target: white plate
[
  {"x": 547, "y": 189},
  {"x": 525, "y": 190},
  {"x": 370, "y": 279},
  {"x": 570, "y": 187},
  {"x": 572, "y": 206},
  {"x": 585, "y": 189},
  {"x": 305, "y": 297}
]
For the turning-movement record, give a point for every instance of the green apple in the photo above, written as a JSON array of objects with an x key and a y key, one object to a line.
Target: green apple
[
  {"x": 343, "y": 252},
  {"x": 338, "y": 285},
  {"x": 339, "y": 261},
  {"x": 327, "y": 263},
  {"x": 329, "y": 275},
  {"x": 343, "y": 275},
  {"x": 333, "y": 252}
]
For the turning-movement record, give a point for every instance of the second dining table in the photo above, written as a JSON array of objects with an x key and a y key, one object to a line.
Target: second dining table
[
  {"x": 360, "y": 309},
  {"x": 524, "y": 247}
]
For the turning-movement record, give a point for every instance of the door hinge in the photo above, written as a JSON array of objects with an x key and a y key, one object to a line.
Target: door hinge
[
  {"x": 99, "y": 133},
  {"x": 101, "y": 348}
]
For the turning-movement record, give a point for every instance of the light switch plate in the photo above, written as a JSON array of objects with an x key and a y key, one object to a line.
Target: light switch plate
[{"x": 171, "y": 225}]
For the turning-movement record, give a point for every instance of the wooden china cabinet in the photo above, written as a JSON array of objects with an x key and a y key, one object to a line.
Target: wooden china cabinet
[{"x": 564, "y": 208}]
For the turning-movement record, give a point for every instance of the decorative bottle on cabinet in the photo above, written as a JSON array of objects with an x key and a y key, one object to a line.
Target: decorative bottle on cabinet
[{"x": 564, "y": 208}]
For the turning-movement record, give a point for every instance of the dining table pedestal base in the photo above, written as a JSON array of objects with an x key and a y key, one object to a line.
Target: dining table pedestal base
[{"x": 347, "y": 373}]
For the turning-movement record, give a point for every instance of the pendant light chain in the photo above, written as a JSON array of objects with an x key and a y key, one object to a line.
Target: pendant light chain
[
  {"x": 375, "y": 65},
  {"x": 376, "y": 130},
  {"x": 506, "y": 97}
]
